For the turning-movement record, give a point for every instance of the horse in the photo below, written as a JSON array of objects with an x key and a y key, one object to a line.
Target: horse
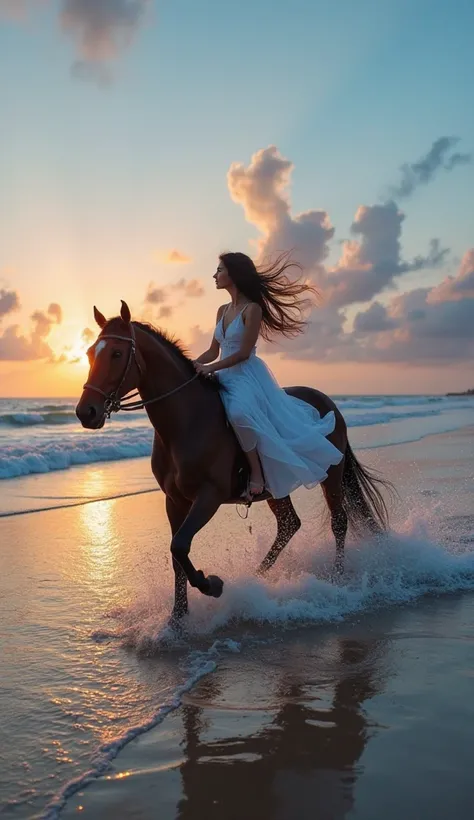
[{"x": 196, "y": 458}]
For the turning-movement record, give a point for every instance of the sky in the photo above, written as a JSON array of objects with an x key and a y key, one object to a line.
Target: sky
[{"x": 142, "y": 138}]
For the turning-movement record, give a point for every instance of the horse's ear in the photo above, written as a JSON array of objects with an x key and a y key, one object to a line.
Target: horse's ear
[
  {"x": 99, "y": 317},
  {"x": 125, "y": 313}
]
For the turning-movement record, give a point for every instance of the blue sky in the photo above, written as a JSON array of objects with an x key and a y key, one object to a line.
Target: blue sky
[{"x": 97, "y": 180}]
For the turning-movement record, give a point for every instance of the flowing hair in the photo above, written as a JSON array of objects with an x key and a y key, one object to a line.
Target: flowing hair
[{"x": 283, "y": 299}]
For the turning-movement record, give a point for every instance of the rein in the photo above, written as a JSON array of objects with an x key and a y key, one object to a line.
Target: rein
[{"x": 113, "y": 402}]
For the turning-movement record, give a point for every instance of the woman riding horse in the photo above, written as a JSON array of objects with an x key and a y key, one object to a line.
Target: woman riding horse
[{"x": 291, "y": 437}]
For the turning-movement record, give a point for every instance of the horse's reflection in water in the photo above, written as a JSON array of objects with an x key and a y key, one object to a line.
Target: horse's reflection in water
[{"x": 302, "y": 763}]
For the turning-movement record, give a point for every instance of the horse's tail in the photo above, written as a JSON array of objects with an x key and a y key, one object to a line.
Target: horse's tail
[{"x": 363, "y": 502}]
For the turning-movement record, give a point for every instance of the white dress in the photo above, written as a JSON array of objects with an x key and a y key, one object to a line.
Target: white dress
[{"x": 289, "y": 434}]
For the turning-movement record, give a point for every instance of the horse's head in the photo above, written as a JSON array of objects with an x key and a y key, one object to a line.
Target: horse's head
[{"x": 115, "y": 368}]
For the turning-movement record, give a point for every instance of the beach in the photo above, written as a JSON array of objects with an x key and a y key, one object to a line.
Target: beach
[{"x": 289, "y": 697}]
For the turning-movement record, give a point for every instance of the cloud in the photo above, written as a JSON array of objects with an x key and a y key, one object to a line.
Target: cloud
[
  {"x": 418, "y": 331},
  {"x": 369, "y": 266},
  {"x": 15, "y": 346},
  {"x": 9, "y": 301},
  {"x": 198, "y": 340},
  {"x": 373, "y": 320},
  {"x": 18, "y": 9},
  {"x": 413, "y": 329},
  {"x": 418, "y": 173},
  {"x": 262, "y": 190},
  {"x": 155, "y": 296},
  {"x": 422, "y": 326},
  {"x": 87, "y": 336},
  {"x": 419, "y": 327},
  {"x": 102, "y": 30},
  {"x": 192, "y": 288},
  {"x": 177, "y": 257},
  {"x": 455, "y": 288},
  {"x": 189, "y": 288},
  {"x": 55, "y": 311}
]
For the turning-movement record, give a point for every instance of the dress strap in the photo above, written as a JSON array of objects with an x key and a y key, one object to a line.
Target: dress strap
[{"x": 225, "y": 312}]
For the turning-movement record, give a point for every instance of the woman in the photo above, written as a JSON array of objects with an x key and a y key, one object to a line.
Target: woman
[{"x": 283, "y": 438}]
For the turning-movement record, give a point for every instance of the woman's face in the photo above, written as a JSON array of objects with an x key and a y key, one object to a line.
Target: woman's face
[{"x": 221, "y": 276}]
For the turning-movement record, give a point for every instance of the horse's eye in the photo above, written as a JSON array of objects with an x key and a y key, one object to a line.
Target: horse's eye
[{"x": 117, "y": 354}]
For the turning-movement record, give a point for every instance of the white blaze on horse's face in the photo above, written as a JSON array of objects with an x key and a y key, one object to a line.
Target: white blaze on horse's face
[{"x": 99, "y": 347}]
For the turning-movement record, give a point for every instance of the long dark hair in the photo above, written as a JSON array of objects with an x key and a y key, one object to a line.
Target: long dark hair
[{"x": 279, "y": 296}]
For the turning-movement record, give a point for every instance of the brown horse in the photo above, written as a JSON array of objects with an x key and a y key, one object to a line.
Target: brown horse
[{"x": 196, "y": 458}]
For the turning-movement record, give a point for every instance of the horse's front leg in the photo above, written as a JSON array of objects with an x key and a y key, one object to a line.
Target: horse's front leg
[
  {"x": 176, "y": 512},
  {"x": 204, "y": 506}
]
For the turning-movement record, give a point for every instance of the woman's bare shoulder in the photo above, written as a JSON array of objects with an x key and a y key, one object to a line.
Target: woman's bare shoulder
[{"x": 253, "y": 310}]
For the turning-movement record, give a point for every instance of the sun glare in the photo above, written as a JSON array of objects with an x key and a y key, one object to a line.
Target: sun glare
[{"x": 76, "y": 354}]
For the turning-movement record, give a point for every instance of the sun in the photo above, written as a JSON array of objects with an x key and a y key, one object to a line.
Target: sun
[{"x": 76, "y": 353}]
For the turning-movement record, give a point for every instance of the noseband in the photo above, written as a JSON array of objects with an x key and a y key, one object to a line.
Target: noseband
[{"x": 113, "y": 402}]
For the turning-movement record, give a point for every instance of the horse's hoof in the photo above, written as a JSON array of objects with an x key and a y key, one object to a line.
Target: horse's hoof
[{"x": 216, "y": 585}]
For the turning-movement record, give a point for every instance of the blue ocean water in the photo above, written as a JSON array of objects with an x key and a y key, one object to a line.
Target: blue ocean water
[{"x": 43, "y": 435}]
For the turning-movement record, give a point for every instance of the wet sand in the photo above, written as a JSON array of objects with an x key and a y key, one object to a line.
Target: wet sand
[{"x": 365, "y": 719}]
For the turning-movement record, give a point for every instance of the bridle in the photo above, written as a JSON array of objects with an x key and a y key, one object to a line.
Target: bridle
[{"x": 113, "y": 402}]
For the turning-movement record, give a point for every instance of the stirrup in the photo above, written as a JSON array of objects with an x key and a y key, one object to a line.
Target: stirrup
[{"x": 249, "y": 497}]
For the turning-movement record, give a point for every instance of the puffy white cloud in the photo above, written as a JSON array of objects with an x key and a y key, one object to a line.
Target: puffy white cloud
[
  {"x": 262, "y": 190},
  {"x": 368, "y": 264},
  {"x": 425, "y": 325}
]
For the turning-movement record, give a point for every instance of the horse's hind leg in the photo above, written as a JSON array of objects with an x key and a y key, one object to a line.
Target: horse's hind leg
[
  {"x": 334, "y": 495},
  {"x": 288, "y": 524}
]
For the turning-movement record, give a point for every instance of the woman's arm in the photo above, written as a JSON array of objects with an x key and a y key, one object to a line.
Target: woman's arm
[
  {"x": 212, "y": 353},
  {"x": 253, "y": 320}
]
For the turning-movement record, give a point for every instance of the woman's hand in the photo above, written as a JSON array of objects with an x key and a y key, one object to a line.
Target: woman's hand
[{"x": 203, "y": 369}]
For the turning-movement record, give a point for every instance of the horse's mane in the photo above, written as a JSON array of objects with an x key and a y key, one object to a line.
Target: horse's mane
[{"x": 175, "y": 347}]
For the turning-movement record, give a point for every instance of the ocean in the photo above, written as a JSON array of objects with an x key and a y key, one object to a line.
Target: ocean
[
  {"x": 90, "y": 668},
  {"x": 43, "y": 435}
]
